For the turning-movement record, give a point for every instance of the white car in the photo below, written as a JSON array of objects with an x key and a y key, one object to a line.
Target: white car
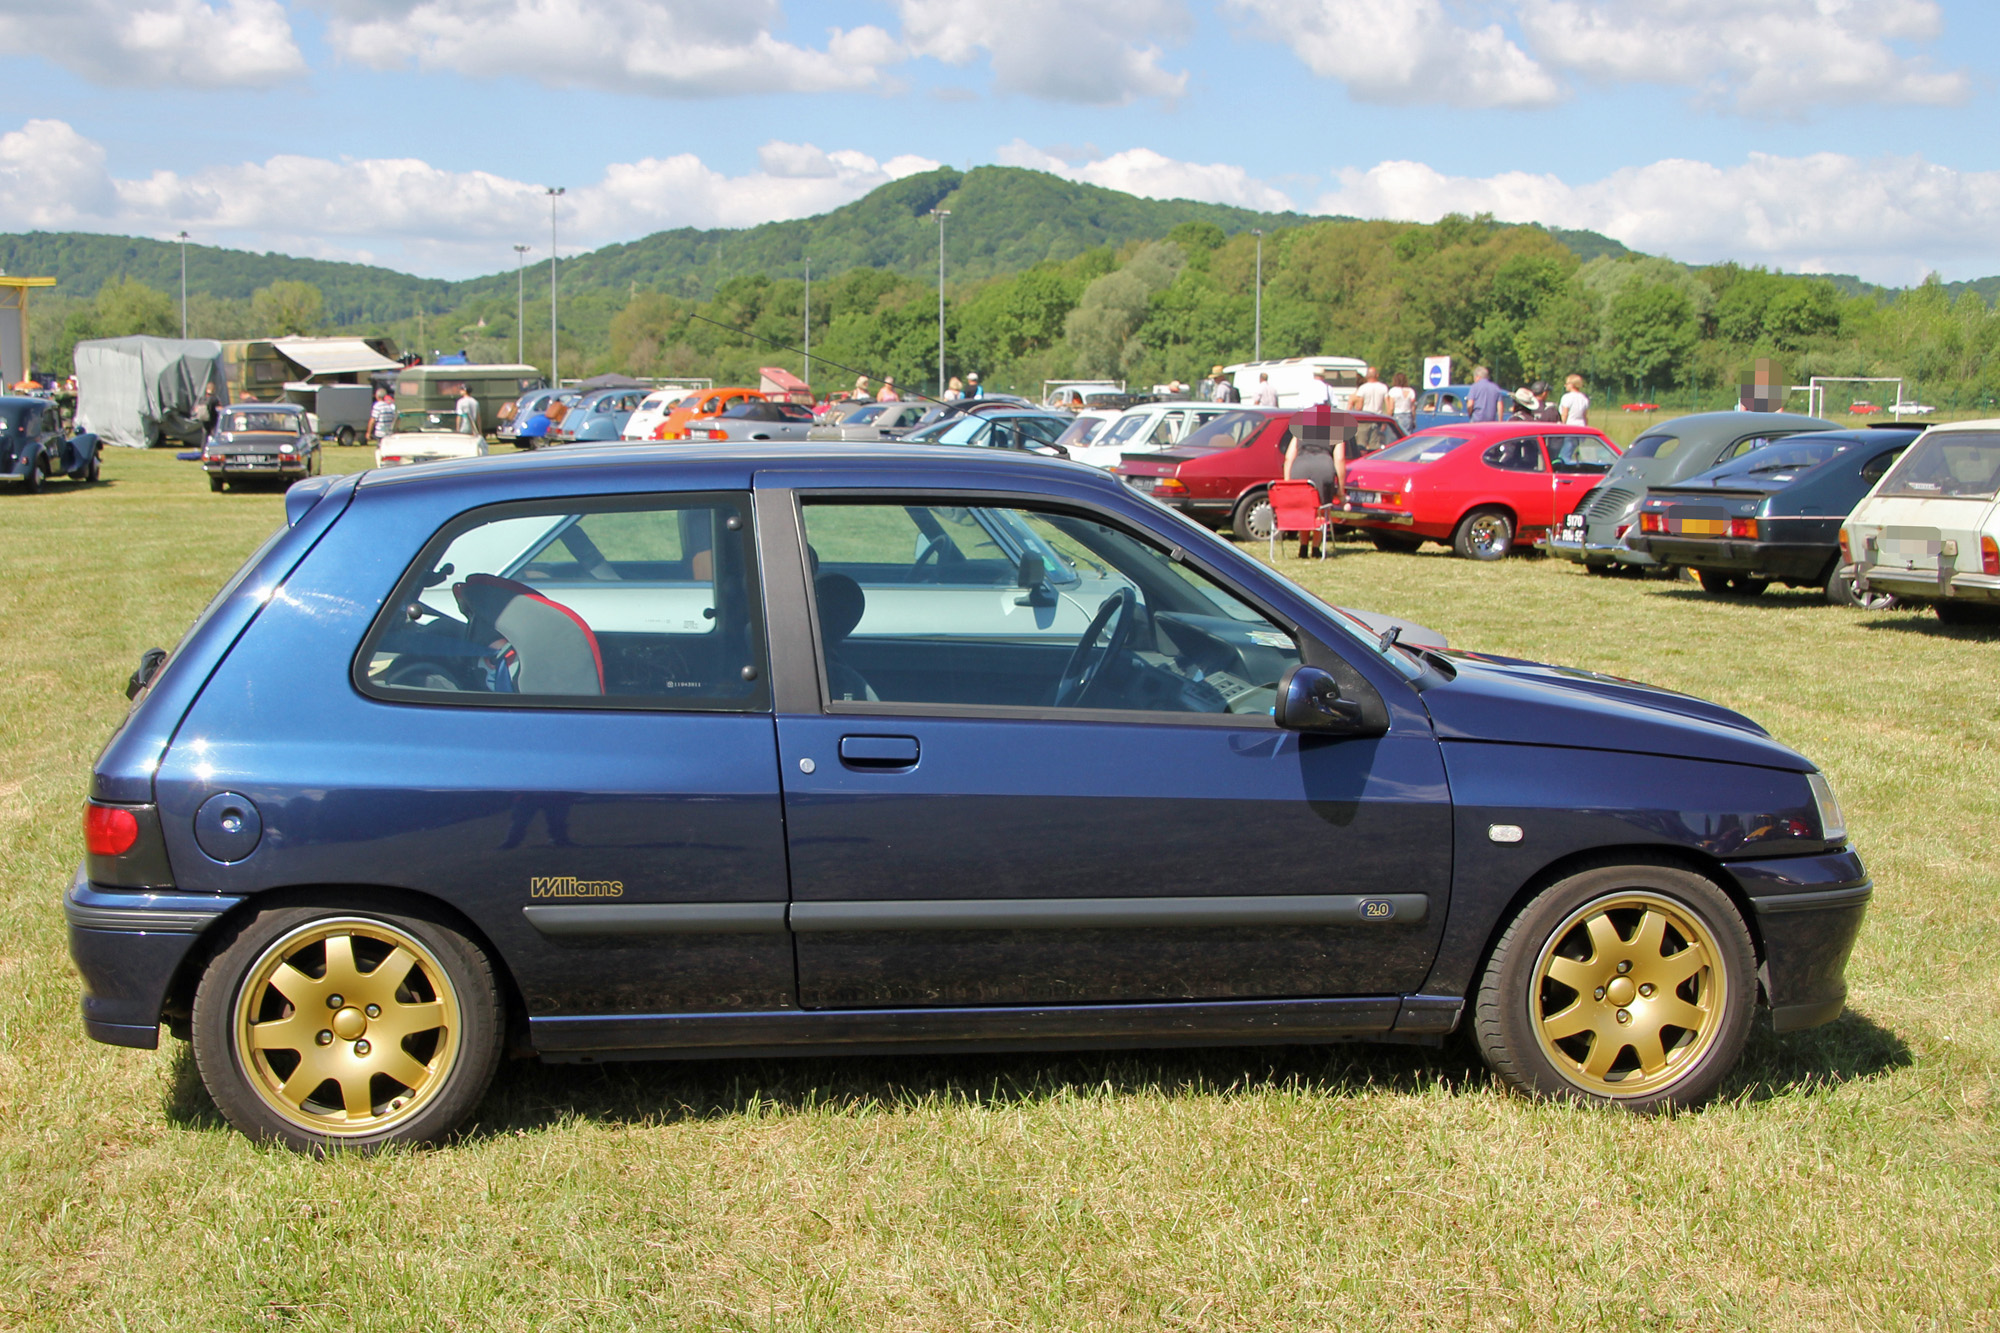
[
  {"x": 1146, "y": 429},
  {"x": 1930, "y": 530},
  {"x": 1291, "y": 377},
  {"x": 404, "y": 447},
  {"x": 652, "y": 410}
]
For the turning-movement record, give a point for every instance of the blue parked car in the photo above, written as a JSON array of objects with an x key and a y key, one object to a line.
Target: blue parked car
[
  {"x": 791, "y": 748},
  {"x": 597, "y": 416},
  {"x": 1442, "y": 407},
  {"x": 1773, "y": 515}
]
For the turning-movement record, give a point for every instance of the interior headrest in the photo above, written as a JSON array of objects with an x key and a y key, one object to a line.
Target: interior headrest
[{"x": 841, "y": 603}]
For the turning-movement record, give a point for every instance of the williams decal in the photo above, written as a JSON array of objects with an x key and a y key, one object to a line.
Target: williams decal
[{"x": 568, "y": 886}]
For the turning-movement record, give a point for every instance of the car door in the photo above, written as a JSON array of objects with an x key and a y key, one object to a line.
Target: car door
[
  {"x": 1037, "y": 766},
  {"x": 1523, "y": 477},
  {"x": 1579, "y": 462}
]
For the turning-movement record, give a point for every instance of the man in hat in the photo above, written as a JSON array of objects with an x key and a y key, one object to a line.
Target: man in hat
[
  {"x": 1220, "y": 390},
  {"x": 973, "y": 389}
]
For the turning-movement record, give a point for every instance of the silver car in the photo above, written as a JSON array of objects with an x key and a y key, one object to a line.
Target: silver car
[
  {"x": 754, "y": 419},
  {"x": 876, "y": 421}
]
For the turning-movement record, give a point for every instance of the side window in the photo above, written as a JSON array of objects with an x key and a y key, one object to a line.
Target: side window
[
  {"x": 1580, "y": 453},
  {"x": 1744, "y": 446},
  {"x": 619, "y": 603},
  {"x": 1043, "y": 430},
  {"x": 1872, "y": 470},
  {"x": 939, "y": 605},
  {"x": 1520, "y": 455}
]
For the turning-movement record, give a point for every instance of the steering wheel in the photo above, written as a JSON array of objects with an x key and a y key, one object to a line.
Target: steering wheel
[
  {"x": 928, "y": 566},
  {"x": 1112, "y": 623}
]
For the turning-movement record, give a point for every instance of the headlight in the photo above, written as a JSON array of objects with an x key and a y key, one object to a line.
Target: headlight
[{"x": 1832, "y": 823}]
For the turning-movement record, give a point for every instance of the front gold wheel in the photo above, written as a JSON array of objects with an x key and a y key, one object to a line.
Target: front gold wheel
[
  {"x": 319, "y": 1026},
  {"x": 347, "y": 1026},
  {"x": 1626, "y": 994}
]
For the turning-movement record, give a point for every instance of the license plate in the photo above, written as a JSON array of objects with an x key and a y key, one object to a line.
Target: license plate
[
  {"x": 248, "y": 462},
  {"x": 1364, "y": 497},
  {"x": 1572, "y": 529},
  {"x": 1700, "y": 527}
]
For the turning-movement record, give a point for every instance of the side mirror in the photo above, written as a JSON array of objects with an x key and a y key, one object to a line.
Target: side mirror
[
  {"x": 1033, "y": 575},
  {"x": 1309, "y": 700}
]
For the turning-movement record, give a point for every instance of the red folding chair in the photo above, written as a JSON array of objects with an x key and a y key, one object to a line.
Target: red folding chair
[{"x": 1295, "y": 507}]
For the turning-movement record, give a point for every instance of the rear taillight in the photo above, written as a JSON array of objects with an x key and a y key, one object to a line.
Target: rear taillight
[
  {"x": 109, "y": 830},
  {"x": 1846, "y": 549},
  {"x": 1652, "y": 522},
  {"x": 1169, "y": 486},
  {"x": 1989, "y": 555},
  {"x": 1746, "y": 528}
]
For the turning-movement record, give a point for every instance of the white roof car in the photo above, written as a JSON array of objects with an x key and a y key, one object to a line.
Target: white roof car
[
  {"x": 1930, "y": 530},
  {"x": 1146, "y": 429},
  {"x": 403, "y": 447},
  {"x": 653, "y": 409}
]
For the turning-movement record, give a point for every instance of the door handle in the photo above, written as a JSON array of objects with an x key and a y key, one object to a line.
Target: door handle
[{"x": 878, "y": 751}]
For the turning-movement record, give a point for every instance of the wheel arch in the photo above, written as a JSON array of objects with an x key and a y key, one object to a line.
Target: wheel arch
[
  {"x": 177, "y": 1007},
  {"x": 1597, "y": 858}
]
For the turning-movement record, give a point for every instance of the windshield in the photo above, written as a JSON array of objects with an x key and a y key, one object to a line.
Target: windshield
[
  {"x": 1226, "y": 431},
  {"x": 280, "y": 421},
  {"x": 1081, "y": 431},
  {"x": 1793, "y": 455},
  {"x": 1125, "y": 428},
  {"x": 1954, "y": 465},
  {"x": 1423, "y": 447},
  {"x": 1654, "y": 446}
]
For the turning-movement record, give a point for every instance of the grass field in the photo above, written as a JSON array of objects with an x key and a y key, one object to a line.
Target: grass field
[{"x": 1849, "y": 1177}]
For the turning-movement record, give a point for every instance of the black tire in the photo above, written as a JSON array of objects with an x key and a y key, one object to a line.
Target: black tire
[
  {"x": 1730, "y": 585},
  {"x": 1484, "y": 534},
  {"x": 215, "y": 484},
  {"x": 31, "y": 484},
  {"x": 1605, "y": 569},
  {"x": 344, "y": 436},
  {"x": 1840, "y": 591},
  {"x": 1713, "y": 581},
  {"x": 1396, "y": 542},
  {"x": 1251, "y": 520},
  {"x": 96, "y": 468},
  {"x": 1965, "y": 613},
  {"x": 1643, "y": 945},
  {"x": 442, "y": 1068}
]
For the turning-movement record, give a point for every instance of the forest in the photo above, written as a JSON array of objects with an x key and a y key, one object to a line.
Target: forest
[{"x": 1055, "y": 282}]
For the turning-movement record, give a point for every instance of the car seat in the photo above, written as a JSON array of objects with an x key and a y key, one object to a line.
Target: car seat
[
  {"x": 553, "y": 650},
  {"x": 841, "y": 605}
]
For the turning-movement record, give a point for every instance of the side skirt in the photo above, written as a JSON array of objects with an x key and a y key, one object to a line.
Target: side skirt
[{"x": 1055, "y": 1027}]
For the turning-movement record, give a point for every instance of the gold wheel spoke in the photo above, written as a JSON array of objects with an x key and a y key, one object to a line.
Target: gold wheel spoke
[
  {"x": 303, "y": 991},
  {"x": 292, "y": 1033},
  {"x": 1652, "y": 1055},
  {"x": 405, "y": 1068},
  {"x": 1650, "y": 939},
  {"x": 1579, "y": 977},
  {"x": 1568, "y": 1022},
  {"x": 341, "y": 973},
  {"x": 1672, "y": 970},
  {"x": 311, "y": 1072},
  {"x": 354, "y": 1093},
  {"x": 406, "y": 1020},
  {"x": 382, "y": 984},
  {"x": 1673, "y": 1010},
  {"x": 1603, "y": 1050},
  {"x": 1604, "y": 939}
]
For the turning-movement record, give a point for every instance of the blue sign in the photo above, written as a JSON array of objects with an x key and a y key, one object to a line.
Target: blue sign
[{"x": 1437, "y": 371}]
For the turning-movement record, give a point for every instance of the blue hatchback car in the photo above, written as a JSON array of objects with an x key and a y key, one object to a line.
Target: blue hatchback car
[{"x": 796, "y": 748}]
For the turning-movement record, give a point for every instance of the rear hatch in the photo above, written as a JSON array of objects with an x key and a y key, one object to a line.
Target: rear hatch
[
  {"x": 1385, "y": 479},
  {"x": 1933, "y": 515}
]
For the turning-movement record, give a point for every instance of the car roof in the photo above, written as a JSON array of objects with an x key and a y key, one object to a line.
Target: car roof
[
  {"x": 1984, "y": 423},
  {"x": 918, "y": 464},
  {"x": 1718, "y": 424}
]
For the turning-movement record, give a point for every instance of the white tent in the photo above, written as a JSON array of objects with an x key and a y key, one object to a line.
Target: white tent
[
  {"x": 333, "y": 356},
  {"x": 128, "y": 388}
]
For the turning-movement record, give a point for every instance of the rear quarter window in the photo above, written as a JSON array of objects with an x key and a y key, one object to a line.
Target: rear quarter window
[
  {"x": 1960, "y": 465},
  {"x": 1654, "y": 446}
]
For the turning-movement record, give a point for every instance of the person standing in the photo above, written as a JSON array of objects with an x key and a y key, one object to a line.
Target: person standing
[
  {"x": 468, "y": 411},
  {"x": 889, "y": 394},
  {"x": 1402, "y": 400},
  {"x": 1484, "y": 397},
  {"x": 1317, "y": 391},
  {"x": 1372, "y": 397},
  {"x": 972, "y": 386},
  {"x": 954, "y": 390},
  {"x": 1574, "y": 409},
  {"x": 861, "y": 394},
  {"x": 1266, "y": 395},
  {"x": 382, "y": 416},
  {"x": 1314, "y": 455}
]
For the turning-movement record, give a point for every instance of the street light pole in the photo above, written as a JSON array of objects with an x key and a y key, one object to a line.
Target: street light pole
[
  {"x": 1257, "y": 352},
  {"x": 940, "y": 214},
  {"x": 184, "y": 286},
  {"x": 555, "y": 377},
  {"x": 809, "y": 324},
  {"x": 520, "y": 305}
]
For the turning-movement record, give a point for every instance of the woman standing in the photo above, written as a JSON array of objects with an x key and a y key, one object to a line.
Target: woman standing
[
  {"x": 1575, "y": 408},
  {"x": 1402, "y": 402},
  {"x": 1315, "y": 456}
]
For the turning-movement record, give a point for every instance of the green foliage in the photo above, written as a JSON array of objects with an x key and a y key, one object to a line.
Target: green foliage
[{"x": 288, "y": 308}]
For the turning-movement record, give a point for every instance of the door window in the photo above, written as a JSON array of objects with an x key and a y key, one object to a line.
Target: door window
[
  {"x": 618, "y": 603},
  {"x": 1580, "y": 453},
  {"x": 944, "y": 605},
  {"x": 1872, "y": 470},
  {"x": 1520, "y": 455}
]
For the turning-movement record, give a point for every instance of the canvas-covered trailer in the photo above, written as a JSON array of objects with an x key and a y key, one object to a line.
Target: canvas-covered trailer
[{"x": 140, "y": 392}]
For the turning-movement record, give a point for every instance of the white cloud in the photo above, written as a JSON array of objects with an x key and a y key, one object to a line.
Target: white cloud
[
  {"x": 1142, "y": 171},
  {"x": 672, "y": 48},
  {"x": 1889, "y": 220},
  {"x": 406, "y": 212},
  {"x": 1757, "y": 55},
  {"x": 1404, "y": 51},
  {"x": 155, "y": 42},
  {"x": 1098, "y": 52}
]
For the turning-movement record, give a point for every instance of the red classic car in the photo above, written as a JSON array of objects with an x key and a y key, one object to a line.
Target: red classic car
[
  {"x": 1479, "y": 488},
  {"x": 1218, "y": 474}
]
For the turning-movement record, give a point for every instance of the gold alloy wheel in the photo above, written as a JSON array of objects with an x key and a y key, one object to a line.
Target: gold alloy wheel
[
  {"x": 1628, "y": 994},
  {"x": 346, "y": 1027}
]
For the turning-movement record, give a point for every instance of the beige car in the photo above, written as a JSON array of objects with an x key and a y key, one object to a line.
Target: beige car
[{"x": 1930, "y": 530}]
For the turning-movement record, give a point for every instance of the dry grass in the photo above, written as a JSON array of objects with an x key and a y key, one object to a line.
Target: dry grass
[{"x": 1849, "y": 1177}]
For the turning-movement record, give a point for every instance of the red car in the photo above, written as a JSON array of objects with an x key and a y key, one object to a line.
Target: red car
[
  {"x": 1478, "y": 488},
  {"x": 1219, "y": 473}
]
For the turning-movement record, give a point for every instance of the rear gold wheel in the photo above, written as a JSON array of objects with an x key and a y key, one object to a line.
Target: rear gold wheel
[
  {"x": 323, "y": 1027},
  {"x": 1630, "y": 985}
]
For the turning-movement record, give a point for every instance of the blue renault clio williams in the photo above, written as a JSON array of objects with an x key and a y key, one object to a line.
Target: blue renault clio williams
[{"x": 602, "y": 755}]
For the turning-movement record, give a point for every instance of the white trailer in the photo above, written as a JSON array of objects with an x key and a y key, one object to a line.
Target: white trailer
[{"x": 1291, "y": 376}]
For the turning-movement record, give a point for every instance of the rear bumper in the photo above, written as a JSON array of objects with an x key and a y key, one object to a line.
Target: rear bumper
[
  {"x": 1924, "y": 585},
  {"x": 1587, "y": 552},
  {"x": 1783, "y": 560},
  {"x": 1807, "y": 912},
  {"x": 128, "y": 945},
  {"x": 1372, "y": 518}
]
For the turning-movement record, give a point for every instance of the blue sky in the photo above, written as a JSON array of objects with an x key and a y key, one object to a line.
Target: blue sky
[{"x": 1830, "y": 135}]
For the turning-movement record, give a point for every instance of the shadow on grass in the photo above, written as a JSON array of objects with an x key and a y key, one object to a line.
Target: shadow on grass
[
  {"x": 1851, "y": 1048},
  {"x": 1928, "y": 625}
]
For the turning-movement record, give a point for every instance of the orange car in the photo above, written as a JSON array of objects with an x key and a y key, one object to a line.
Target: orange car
[{"x": 708, "y": 404}]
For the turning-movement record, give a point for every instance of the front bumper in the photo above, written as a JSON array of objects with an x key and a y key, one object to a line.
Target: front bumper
[
  {"x": 1807, "y": 912},
  {"x": 227, "y": 467},
  {"x": 1782, "y": 560},
  {"x": 128, "y": 945}
]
